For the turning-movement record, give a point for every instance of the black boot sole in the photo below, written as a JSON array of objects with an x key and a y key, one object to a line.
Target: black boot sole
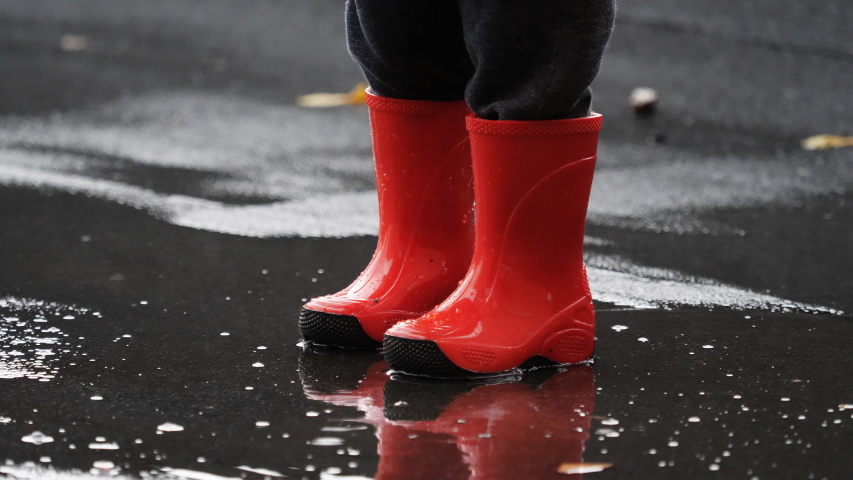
[
  {"x": 334, "y": 330},
  {"x": 424, "y": 358}
]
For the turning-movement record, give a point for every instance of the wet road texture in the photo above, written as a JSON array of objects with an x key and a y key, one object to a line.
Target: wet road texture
[{"x": 166, "y": 210}]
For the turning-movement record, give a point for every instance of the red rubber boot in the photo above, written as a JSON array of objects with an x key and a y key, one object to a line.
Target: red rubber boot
[
  {"x": 526, "y": 294},
  {"x": 426, "y": 224}
]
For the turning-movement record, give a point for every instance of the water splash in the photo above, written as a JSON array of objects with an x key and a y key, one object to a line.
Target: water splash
[
  {"x": 30, "y": 470},
  {"x": 30, "y": 344}
]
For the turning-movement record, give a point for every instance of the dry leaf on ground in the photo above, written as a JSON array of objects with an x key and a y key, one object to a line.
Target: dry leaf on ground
[
  {"x": 822, "y": 142},
  {"x": 356, "y": 96}
]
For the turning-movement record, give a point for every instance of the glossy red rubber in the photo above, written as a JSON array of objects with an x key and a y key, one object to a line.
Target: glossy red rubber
[
  {"x": 495, "y": 431},
  {"x": 426, "y": 231},
  {"x": 526, "y": 293}
]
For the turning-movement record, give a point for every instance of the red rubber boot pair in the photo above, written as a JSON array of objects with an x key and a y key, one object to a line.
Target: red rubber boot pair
[{"x": 524, "y": 300}]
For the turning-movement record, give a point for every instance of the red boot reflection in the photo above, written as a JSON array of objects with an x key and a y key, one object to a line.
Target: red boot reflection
[{"x": 522, "y": 429}]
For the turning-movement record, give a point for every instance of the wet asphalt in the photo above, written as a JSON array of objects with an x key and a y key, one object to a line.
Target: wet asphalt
[{"x": 118, "y": 320}]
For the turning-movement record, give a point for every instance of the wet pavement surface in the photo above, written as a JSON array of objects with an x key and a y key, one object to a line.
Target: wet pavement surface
[{"x": 166, "y": 210}]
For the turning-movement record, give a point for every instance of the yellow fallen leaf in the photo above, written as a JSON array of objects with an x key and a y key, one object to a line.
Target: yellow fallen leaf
[
  {"x": 72, "y": 43},
  {"x": 822, "y": 142},
  {"x": 575, "y": 468},
  {"x": 356, "y": 96}
]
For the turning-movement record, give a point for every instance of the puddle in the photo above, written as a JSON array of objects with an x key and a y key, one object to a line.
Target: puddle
[
  {"x": 616, "y": 280},
  {"x": 499, "y": 430}
]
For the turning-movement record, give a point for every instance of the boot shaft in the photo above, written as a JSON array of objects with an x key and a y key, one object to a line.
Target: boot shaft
[{"x": 532, "y": 182}]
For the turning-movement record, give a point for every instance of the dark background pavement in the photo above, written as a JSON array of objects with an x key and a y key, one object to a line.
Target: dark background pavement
[{"x": 154, "y": 164}]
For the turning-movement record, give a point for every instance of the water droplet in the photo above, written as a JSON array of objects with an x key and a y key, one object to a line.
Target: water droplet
[
  {"x": 44, "y": 459},
  {"x": 262, "y": 347},
  {"x": 619, "y": 328},
  {"x": 694, "y": 419},
  {"x": 37, "y": 438},
  {"x": 200, "y": 460},
  {"x": 312, "y": 414},
  {"x": 610, "y": 421},
  {"x": 714, "y": 467},
  {"x": 170, "y": 427},
  {"x": 143, "y": 302},
  {"x": 652, "y": 451},
  {"x": 96, "y": 398},
  {"x": 643, "y": 339},
  {"x": 786, "y": 399},
  {"x": 261, "y": 471},
  {"x": 257, "y": 364},
  {"x": 707, "y": 346},
  {"x": 262, "y": 424},
  {"x": 672, "y": 443},
  {"x": 104, "y": 465},
  {"x": 225, "y": 334},
  {"x": 581, "y": 468},
  {"x": 103, "y": 446}
]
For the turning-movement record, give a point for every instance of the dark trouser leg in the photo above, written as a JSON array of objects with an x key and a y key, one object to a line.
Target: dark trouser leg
[
  {"x": 410, "y": 49},
  {"x": 517, "y": 59},
  {"x": 534, "y": 59}
]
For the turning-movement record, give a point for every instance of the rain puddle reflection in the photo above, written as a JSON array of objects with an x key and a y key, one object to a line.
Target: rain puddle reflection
[{"x": 514, "y": 427}]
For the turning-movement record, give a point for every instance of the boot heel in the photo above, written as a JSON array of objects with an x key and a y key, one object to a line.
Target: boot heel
[{"x": 569, "y": 346}]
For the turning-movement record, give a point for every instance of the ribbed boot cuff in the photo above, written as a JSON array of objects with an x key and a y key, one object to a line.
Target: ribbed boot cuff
[{"x": 588, "y": 124}]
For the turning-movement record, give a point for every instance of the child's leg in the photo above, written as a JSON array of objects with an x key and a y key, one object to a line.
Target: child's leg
[
  {"x": 536, "y": 59},
  {"x": 414, "y": 57},
  {"x": 525, "y": 301},
  {"x": 410, "y": 49}
]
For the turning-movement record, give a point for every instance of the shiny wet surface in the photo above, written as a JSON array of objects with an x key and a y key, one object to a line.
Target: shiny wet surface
[
  {"x": 676, "y": 392},
  {"x": 141, "y": 338}
]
